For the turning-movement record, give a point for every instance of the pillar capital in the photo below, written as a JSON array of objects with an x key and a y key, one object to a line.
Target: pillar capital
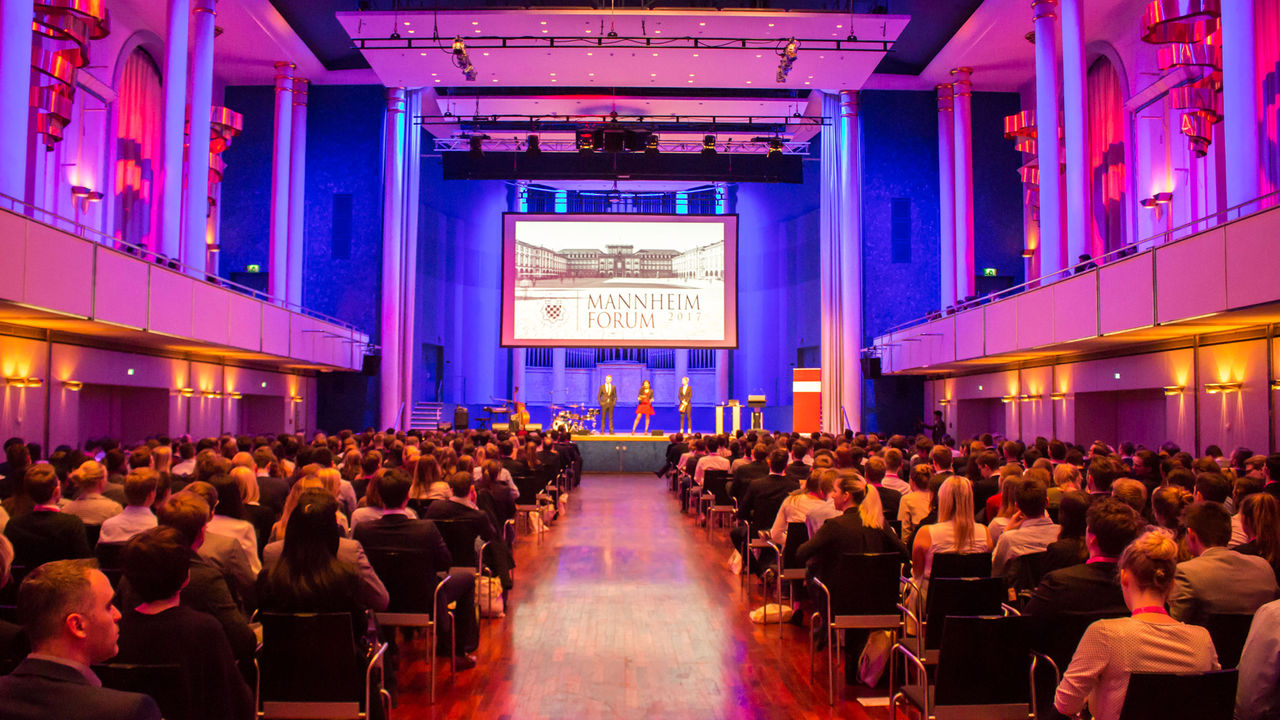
[
  {"x": 1044, "y": 9},
  {"x": 944, "y": 97},
  {"x": 299, "y": 90}
]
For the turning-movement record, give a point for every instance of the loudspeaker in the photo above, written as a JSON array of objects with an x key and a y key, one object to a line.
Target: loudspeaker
[
  {"x": 656, "y": 433},
  {"x": 460, "y": 417},
  {"x": 533, "y": 427},
  {"x": 370, "y": 365},
  {"x": 871, "y": 368}
]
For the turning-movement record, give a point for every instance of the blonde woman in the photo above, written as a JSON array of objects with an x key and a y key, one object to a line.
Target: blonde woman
[
  {"x": 260, "y": 516},
  {"x": 955, "y": 531},
  {"x": 797, "y": 506},
  {"x": 341, "y": 490},
  {"x": 1147, "y": 642},
  {"x": 161, "y": 459}
]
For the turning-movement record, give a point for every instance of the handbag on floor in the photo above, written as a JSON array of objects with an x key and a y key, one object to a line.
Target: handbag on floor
[
  {"x": 489, "y": 596},
  {"x": 874, "y": 656},
  {"x": 771, "y": 613}
]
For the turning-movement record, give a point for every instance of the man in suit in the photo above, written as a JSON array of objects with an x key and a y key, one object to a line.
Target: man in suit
[
  {"x": 45, "y": 533},
  {"x": 395, "y": 530},
  {"x": 607, "y": 397},
  {"x": 68, "y": 616},
  {"x": 989, "y": 486},
  {"x": 685, "y": 396},
  {"x": 1092, "y": 586},
  {"x": 1217, "y": 580},
  {"x": 890, "y": 499},
  {"x": 762, "y": 499},
  {"x": 675, "y": 449},
  {"x": 798, "y": 470},
  {"x": 461, "y": 505},
  {"x": 745, "y": 474}
]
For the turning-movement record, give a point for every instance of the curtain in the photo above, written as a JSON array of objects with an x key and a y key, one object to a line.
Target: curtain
[
  {"x": 1267, "y": 27},
  {"x": 139, "y": 115},
  {"x": 1106, "y": 158}
]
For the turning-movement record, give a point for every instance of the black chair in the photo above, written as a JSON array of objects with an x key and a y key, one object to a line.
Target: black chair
[
  {"x": 342, "y": 686},
  {"x": 961, "y": 565},
  {"x": 1054, "y": 639},
  {"x": 1170, "y": 696},
  {"x": 715, "y": 487},
  {"x": 110, "y": 560},
  {"x": 420, "y": 506},
  {"x": 460, "y": 537},
  {"x": 91, "y": 533},
  {"x": 1229, "y": 631},
  {"x": 981, "y": 671},
  {"x": 790, "y": 569},
  {"x": 861, "y": 593},
  {"x": 949, "y": 597},
  {"x": 414, "y": 595},
  {"x": 166, "y": 684}
]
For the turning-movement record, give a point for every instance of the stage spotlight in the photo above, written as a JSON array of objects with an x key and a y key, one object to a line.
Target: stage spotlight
[
  {"x": 786, "y": 59},
  {"x": 651, "y": 144},
  {"x": 585, "y": 140},
  {"x": 634, "y": 140},
  {"x": 477, "y": 145},
  {"x": 708, "y": 144},
  {"x": 462, "y": 61},
  {"x": 533, "y": 146},
  {"x": 775, "y": 149}
]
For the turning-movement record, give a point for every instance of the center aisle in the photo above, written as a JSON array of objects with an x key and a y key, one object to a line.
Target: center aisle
[{"x": 625, "y": 610}]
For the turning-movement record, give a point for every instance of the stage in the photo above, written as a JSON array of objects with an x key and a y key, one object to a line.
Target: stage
[{"x": 622, "y": 452}]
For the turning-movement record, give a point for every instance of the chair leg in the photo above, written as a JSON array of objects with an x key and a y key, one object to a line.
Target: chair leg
[
  {"x": 431, "y": 672},
  {"x": 832, "y": 638}
]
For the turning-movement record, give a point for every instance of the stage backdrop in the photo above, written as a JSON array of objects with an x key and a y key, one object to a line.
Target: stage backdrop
[{"x": 620, "y": 280}]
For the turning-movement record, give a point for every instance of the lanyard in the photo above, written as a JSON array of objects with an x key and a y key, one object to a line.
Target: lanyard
[{"x": 1158, "y": 609}]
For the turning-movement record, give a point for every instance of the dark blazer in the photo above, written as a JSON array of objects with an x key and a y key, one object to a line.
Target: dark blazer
[
  {"x": 675, "y": 450},
  {"x": 983, "y": 489},
  {"x": 400, "y": 532},
  {"x": 450, "y": 510},
  {"x": 797, "y": 472},
  {"x": 744, "y": 475},
  {"x": 43, "y": 535},
  {"x": 890, "y": 499},
  {"x": 845, "y": 533},
  {"x": 1083, "y": 588},
  {"x": 13, "y": 646},
  {"x": 607, "y": 399},
  {"x": 272, "y": 492},
  {"x": 762, "y": 499},
  {"x": 44, "y": 690},
  {"x": 1064, "y": 553}
]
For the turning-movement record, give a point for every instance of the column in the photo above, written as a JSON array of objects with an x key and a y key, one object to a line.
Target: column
[
  {"x": 946, "y": 198},
  {"x": 559, "y": 392},
  {"x": 175, "y": 115},
  {"x": 296, "y": 187},
  {"x": 1240, "y": 102},
  {"x": 15, "y": 94},
  {"x": 278, "y": 257},
  {"x": 517, "y": 375},
  {"x": 722, "y": 377},
  {"x": 682, "y": 365},
  {"x": 195, "y": 246},
  {"x": 962, "y": 118},
  {"x": 390, "y": 389},
  {"x": 850, "y": 344},
  {"x": 409, "y": 244},
  {"x": 1075, "y": 126},
  {"x": 1049, "y": 154}
]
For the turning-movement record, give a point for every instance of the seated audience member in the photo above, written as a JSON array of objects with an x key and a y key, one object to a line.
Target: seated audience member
[
  {"x": 1213, "y": 487},
  {"x": 1069, "y": 549},
  {"x": 761, "y": 500},
  {"x": 462, "y": 506},
  {"x": 848, "y": 532},
  {"x": 1217, "y": 580},
  {"x": 273, "y": 488},
  {"x": 955, "y": 531},
  {"x": 90, "y": 505},
  {"x": 66, "y": 611},
  {"x": 1244, "y": 487},
  {"x": 1008, "y": 504},
  {"x": 306, "y": 574},
  {"x": 228, "y": 519},
  {"x": 917, "y": 503},
  {"x": 140, "y": 491},
  {"x": 809, "y": 501},
  {"x": 260, "y": 516},
  {"x": 1261, "y": 514},
  {"x": 798, "y": 469},
  {"x": 987, "y": 482},
  {"x": 224, "y": 552},
  {"x": 893, "y": 477},
  {"x": 1066, "y": 478},
  {"x": 1030, "y": 530},
  {"x": 1092, "y": 586},
  {"x": 397, "y": 530},
  {"x": 45, "y": 533},
  {"x": 160, "y": 630},
  {"x": 13, "y": 643},
  {"x": 1167, "y": 506},
  {"x": 1148, "y": 641},
  {"x": 873, "y": 471},
  {"x": 1258, "y": 691},
  {"x": 1131, "y": 493},
  {"x": 1102, "y": 472},
  {"x": 371, "y": 592},
  {"x": 748, "y": 472},
  {"x": 713, "y": 460}
]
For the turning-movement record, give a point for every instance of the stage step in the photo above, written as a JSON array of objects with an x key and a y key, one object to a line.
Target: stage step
[{"x": 426, "y": 416}]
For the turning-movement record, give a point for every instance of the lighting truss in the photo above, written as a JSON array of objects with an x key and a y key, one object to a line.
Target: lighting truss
[
  {"x": 544, "y": 42},
  {"x": 700, "y": 124},
  {"x": 757, "y": 146}
]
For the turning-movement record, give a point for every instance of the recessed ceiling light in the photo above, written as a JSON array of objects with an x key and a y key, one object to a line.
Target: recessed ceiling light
[
  {"x": 748, "y": 82},
  {"x": 475, "y": 22},
  {"x": 544, "y": 31},
  {"x": 553, "y": 75},
  {"x": 412, "y": 32},
  {"x": 553, "y": 79},
  {"x": 806, "y": 82},
  {"x": 839, "y": 26},
  {"x": 759, "y": 56},
  {"x": 495, "y": 79},
  {"x": 655, "y": 54},
  {"x": 423, "y": 54},
  {"x": 591, "y": 74},
  {"x": 589, "y": 54},
  {"x": 770, "y": 24},
  {"x": 437, "y": 79},
  {"x": 702, "y": 24},
  {"x": 690, "y": 81},
  {"x": 653, "y": 74},
  {"x": 657, "y": 31},
  {"x": 695, "y": 54},
  {"x": 690, "y": 74},
  {"x": 406, "y": 22},
  {"x": 588, "y": 31},
  {"x": 477, "y": 29},
  {"x": 432, "y": 74},
  {"x": 544, "y": 22}
]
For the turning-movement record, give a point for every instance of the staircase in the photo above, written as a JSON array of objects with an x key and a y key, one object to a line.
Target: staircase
[{"x": 426, "y": 416}]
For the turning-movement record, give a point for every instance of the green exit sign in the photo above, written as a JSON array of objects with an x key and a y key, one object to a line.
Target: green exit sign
[
  {"x": 986, "y": 272},
  {"x": 258, "y": 268}
]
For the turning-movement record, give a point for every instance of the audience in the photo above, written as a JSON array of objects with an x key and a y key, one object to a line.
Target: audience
[
  {"x": 45, "y": 533},
  {"x": 1070, "y": 547},
  {"x": 1258, "y": 691},
  {"x": 955, "y": 531},
  {"x": 90, "y": 505},
  {"x": 804, "y": 503},
  {"x": 1092, "y": 586},
  {"x": 1261, "y": 522},
  {"x": 228, "y": 518},
  {"x": 1217, "y": 580},
  {"x": 1029, "y": 531},
  {"x": 1148, "y": 641},
  {"x": 66, "y": 611},
  {"x": 140, "y": 491}
]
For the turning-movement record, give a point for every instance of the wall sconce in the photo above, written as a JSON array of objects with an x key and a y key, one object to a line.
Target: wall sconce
[
  {"x": 944, "y": 401},
  {"x": 18, "y": 382},
  {"x": 1028, "y": 252},
  {"x": 73, "y": 385},
  {"x": 1028, "y": 398},
  {"x": 80, "y": 192},
  {"x": 234, "y": 395},
  {"x": 35, "y": 382},
  {"x": 186, "y": 392},
  {"x": 1173, "y": 390},
  {"x": 211, "y": 394},
  {"x": 296, "y": 398},
  {"x": 1275, "y": 384},
  {"x": 1226, "y": 387},
  {"x": 1058, "y": 396},
  {"x": 1009, "y": 398},
  {"x": 1163, "y": 198}
]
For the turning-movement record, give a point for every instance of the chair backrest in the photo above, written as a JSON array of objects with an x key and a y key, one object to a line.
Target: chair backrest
[
  {"x": 1170, "y": 696},
  {"x": 110, "y": 555},
  {"x": 961, "y": 565},
  {"x": 292, "y": 643},
  {"x": 460, "y": 537},
  {"x": 166, "y": 684},
  {"x": 716, "y": 482},
  {"x": 1058, "y": 635},
  {"x": 865, "y": 584},
  {"x": 1026, "y": 570},
  {"x": 983, "y": 660},
  {"x": 529, "y": 486},
  {"x": 1229, "y": 631},
  {"x": 797, "y": 535},
  {"x": 421, "y": 505},
  {"x": 91, "y": 533},
  {"x": 409, "y": 579},
  {"x": 948, "y": 597}
]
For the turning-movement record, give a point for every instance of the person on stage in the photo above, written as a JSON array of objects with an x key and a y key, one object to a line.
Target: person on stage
[
  {"x": 607, "y": 397},
  {"x": 686, "y": 406},
  {"x": 644, "y": 406}
]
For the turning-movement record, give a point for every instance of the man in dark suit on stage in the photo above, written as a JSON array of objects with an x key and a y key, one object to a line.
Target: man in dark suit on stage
[
  {"x": 1092, "y": 586},
  {"x": 685, "y": 395},
  {"x": 607, "y": 397},
  {"x": 68, "y": 616}
]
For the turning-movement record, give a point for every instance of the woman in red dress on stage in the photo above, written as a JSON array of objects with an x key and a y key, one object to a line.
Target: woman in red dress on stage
[{"x": 644, "y": 406}]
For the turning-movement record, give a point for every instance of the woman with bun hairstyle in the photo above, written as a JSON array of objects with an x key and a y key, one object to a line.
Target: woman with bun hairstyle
[
  {"x": 1149, "y": 641},
  {"x": 1167, "y": 505}
]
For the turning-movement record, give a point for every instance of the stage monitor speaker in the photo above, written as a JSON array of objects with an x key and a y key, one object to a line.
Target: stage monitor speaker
[
  {"x": 871, "y": 368},
  {"x": 533, "y": 427},
  {"x": 500, "y": 427},
  {"x": 370, "y": 365},
  {"x": 460, "y": 417},
  {"x": 444, "y": 427},
  {"x": 656, "y": 433}
]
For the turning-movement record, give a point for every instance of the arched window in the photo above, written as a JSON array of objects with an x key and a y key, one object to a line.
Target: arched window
[
  {"x": 139, "y": 119},
  {"x": 1106, "y": 158}
]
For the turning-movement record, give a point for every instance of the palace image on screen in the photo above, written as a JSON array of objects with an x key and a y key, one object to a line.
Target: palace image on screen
[{"x": 619, "y": 281}]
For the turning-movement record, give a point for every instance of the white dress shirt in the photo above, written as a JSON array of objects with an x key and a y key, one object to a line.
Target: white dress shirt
[
  {"x": 893, "y": 482},
  {"x": 1033, "y": 536},
  {"x": 242, "y": 532},
  {"x": 131, "y": 521}
]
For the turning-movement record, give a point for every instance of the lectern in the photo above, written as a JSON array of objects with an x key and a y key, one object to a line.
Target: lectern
[
  {"x": 735, "y": 414},
  {"x": 756, "y": 403}
]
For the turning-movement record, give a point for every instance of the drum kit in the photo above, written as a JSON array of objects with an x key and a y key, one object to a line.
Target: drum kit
[{"x": 574, "y": 419}]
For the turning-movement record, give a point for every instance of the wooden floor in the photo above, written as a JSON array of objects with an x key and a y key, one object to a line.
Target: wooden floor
[{"x": 625, "y": 610}]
